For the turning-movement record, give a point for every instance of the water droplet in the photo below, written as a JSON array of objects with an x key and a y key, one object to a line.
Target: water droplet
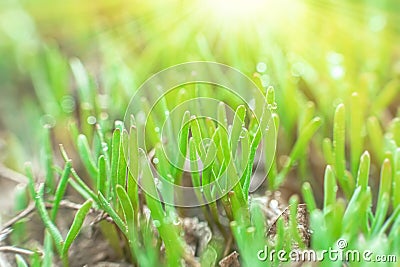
[
  {"x": 157, "y": 129},
  {"x": 251, "y": 229},
  {"x": 265, "y": 80},
  {"x": 166, "y": 113},
  {"x": 91, "y": 119},
  {"x": 68, "y": 104},
  {"x": 156, "y": 161},
  {"x": 297, "y": 69},
  {"x": 103, "y": 116},
  {"x": 48, "y": 121},
  {"x": 243, "y": 133},
  {"x": 104, "y": 146},
  {"x": 201, "y": 189},
  {"x": 272, "y": 106},
  {"x": 261, "y": 67},
  {"x": 156, "y": 223},
  {"x": 176, "y": 221}
]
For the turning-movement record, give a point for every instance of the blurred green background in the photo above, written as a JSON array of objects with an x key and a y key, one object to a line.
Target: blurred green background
[{"x": 318, "y": 51}]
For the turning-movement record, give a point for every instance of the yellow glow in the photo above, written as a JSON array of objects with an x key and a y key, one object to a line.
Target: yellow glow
[
  {"x": 270, "y": 13},
  {"x": 236, "y": 8}
]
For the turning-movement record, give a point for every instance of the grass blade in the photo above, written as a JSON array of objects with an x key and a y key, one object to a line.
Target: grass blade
[
  {"x": 20, "y": 261},
  {"x": 126, "y": 205},
  {"x": 76, "y": 226},
  {"x": 50, "y": 180},
  {"x": 339, "y": 148},
  {"x": 330, "y": 188},
  {"x": 102, "y": 176},
  {"x": 62, "y": 186},
  {"x": 111, "y": 212},
  {"x": 115, "y": 148},
  {"x": 41, "y": 208},
  {"x": 237, "y": 125},
  {"x": 363, "y": 171},
  {"x": 308, "y": 197}
]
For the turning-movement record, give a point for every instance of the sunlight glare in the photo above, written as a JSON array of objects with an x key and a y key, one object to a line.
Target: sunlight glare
[{"x": 236, "y": 8}]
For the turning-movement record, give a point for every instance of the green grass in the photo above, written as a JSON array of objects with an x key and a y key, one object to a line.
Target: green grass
[
  {"x": 333, "y": 102},
  {"x": 113, "y": 189}
]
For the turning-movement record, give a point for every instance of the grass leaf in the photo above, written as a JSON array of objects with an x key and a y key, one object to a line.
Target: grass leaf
[
  {"x": 50, "y": 226},
  {"x": 62, "y": 186},
  {"x": 76, "y": 226}
]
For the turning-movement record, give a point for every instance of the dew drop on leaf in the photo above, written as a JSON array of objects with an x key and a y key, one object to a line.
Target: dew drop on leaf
[
  {"x": 156, "y": 223},
  {"x": 261, "y": 67},
  {"x": 104, "y": 146},
  {"x": 243, "y": 133},
  {"x": 48, "y": 121},
  {"x": 91, "y": 120},
  {"x": 68, "y": 104}
]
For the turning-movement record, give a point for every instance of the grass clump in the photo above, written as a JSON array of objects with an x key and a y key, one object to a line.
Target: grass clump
[{"x": 112, "y": 189}]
